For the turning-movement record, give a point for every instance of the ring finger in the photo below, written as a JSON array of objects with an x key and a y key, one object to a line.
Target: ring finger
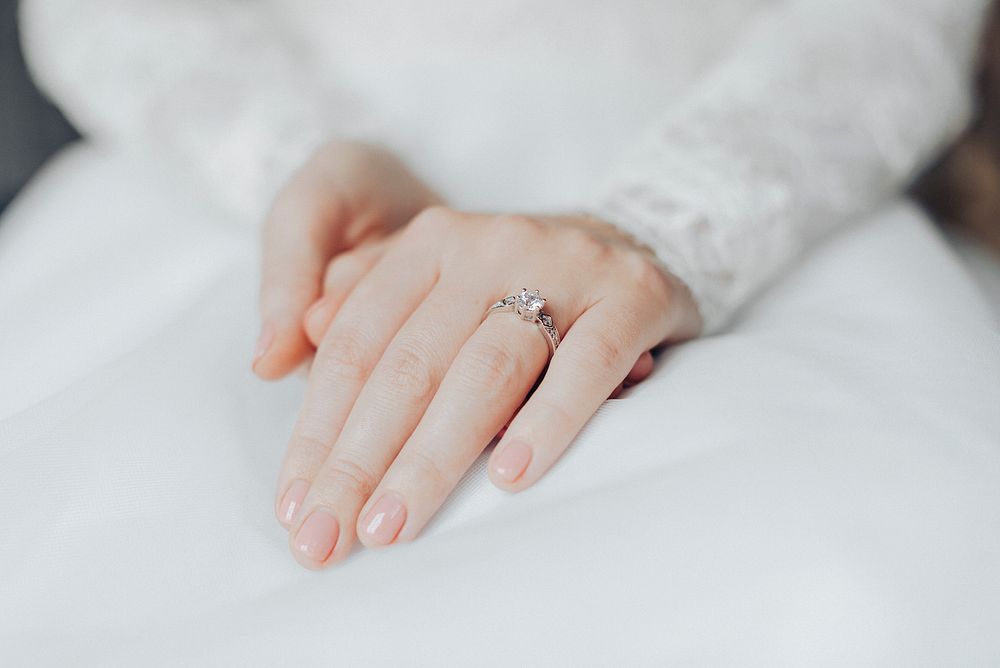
[{"x": 487, "y": 382}]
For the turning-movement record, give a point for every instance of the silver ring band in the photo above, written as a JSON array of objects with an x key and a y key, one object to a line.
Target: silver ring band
[{"x": 528, "y": 306}]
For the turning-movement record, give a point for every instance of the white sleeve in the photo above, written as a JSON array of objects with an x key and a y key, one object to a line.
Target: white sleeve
[
  {"x": 214, "y": 85},
  {"x": 824, "y": 109}
]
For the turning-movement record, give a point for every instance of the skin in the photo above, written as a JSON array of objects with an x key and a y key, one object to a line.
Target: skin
[{"x": 384, "y": 288}]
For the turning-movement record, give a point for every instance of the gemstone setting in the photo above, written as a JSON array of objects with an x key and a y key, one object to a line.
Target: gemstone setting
[{"x": 528, "y": 304}]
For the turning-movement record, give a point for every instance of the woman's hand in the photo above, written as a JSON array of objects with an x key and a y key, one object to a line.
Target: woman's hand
[
  {"x": 347, "y": 197},
  {"x": 410, "y": 383}
]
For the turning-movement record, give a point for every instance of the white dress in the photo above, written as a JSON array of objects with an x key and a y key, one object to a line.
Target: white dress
[
  {"x": 817, "y": 484},
  {"x": 726, "y": 134}
]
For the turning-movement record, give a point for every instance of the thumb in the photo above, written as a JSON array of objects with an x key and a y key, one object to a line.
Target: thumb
[{"x": 302, "y": 232}]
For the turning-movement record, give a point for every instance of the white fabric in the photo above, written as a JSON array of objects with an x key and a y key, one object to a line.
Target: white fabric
[
  {"x": 818, "y": 486},
  {"x": 769, "y": 122},
  {"x": 983, "y": 265},
  {"x": 821, "y": 486}
]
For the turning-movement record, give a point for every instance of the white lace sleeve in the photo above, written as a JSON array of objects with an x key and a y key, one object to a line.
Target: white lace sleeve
[
  {"x": 215, "y": 85},
  {"x": 825, "y": 108}
]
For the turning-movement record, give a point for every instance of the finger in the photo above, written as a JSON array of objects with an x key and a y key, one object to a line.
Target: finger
[
  {"x": 342, "y": 274},
  {"x": 592, "y": 360},
  {"x": 302, "y": 231},
  {"x": 393, "y": 401},
  {"x": 367, "y": 254},
  {"x": 488, "y": 380},
  {"x": 641, "y": 369},
  {"x": 352, "y": 345}
]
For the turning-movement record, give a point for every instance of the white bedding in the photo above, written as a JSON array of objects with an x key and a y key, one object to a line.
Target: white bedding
[{"x": 820, "y": 486}]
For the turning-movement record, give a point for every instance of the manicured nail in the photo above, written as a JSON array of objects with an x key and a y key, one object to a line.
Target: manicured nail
[
  {"x": 510, "y": 462},
  {"x": 318, "y": 535},
  {"x": 385, "y": 519},
  {"x": 263, "y": 343},
  {"x": 291, "y": 501}
]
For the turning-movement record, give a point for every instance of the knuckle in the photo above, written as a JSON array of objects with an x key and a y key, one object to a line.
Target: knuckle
[
  {"x": 344, "y": 356},
  {"x": 409, "y": 373},
  {"x": 606, "y": 354},
  {"x": 504, "y": 232},
  {"x": 648, "y": 278},
  {"x": 432, "y": 220},
  {"x": 427, "y": 471},
  {"x": 517, "y": 226},
  {"x": 307, "y": 450},
  {"x": 583, "y": 246},
  {"x": 485, "y": 362},
  {"x": 518, "y": 220},
  {"x": 346, "y": 474},
  {"x": 344, "y": 264}
]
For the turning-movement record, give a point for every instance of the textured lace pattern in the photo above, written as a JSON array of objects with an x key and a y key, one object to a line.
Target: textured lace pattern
[
  {"x": 218, "y": 86},
  {"x": 824, "y": 110}
]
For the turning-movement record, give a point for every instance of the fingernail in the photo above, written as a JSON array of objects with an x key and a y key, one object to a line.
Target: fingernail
[
  {"x": 291, "y": 501},
  {"x": 263, "y": 343},
  {"x": 317, "y": 535},
  {"x": 510, "y": 462},
  {"x": 385, "y": 519}
]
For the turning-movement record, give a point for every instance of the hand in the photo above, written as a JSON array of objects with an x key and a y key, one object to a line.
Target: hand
[
  {"x": 356, "y": 262},
  {"x": 347, "y": 197},
  {"x": 409, "y": 383}
]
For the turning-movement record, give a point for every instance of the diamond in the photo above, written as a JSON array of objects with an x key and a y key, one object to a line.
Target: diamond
[{"x": 529, "y": 302}]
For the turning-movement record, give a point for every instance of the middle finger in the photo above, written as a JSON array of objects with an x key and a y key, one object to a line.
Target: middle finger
[
  {"x": 487, "y": 382},
  {"x": 349, "y": 351},
  {"x": 387, "y": 409}
]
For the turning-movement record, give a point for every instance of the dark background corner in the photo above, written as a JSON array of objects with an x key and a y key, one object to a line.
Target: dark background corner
[{"x": 31, "y": 129}]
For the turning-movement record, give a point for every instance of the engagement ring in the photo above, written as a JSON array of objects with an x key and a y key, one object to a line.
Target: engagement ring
[{"x": 528, "y": 306}]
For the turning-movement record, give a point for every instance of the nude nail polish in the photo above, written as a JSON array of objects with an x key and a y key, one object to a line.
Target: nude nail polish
[
  {"x": 509, "y": 464},
  {"x": 291, "y": 501},
  {"x": 385, "y": 519},
  {"x": 317, "y": 536}
]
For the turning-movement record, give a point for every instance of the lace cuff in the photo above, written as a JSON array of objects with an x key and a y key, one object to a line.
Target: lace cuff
[{"x": 825, "y": 110}]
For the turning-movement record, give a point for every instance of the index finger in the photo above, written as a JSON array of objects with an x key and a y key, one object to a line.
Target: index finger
[{"x": 302, "y": 232}]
